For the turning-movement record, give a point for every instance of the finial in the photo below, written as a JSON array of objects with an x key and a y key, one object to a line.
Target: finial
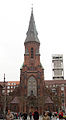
[{"x": 32, "y": 8}]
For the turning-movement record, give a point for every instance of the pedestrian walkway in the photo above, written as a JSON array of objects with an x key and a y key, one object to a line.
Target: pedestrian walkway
[{"x": 40, "y": 118}]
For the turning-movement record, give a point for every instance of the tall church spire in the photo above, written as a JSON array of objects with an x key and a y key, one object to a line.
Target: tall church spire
[{"x": 32, "y": 34}]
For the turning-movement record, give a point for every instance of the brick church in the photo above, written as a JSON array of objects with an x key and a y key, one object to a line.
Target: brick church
[
  {"x": 33, "y": 91},
  {"x": 30, "y": 93}
]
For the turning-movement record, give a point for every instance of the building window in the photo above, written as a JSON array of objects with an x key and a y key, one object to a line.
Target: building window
[
  {"x": 53, "y": 90},
  {"x": 8, "y": 83},
  {"x": 62, "y": 100},
  {"x": 32, "y": 86},
  {"x": 62, "y": 85},
  {"x": 11, "y": 86},
  {"x": 53, "y": 85},
  {"x": 8, "y": 91},
  {"x": 14, "y": 107},
  {"x": 3, "y": 91},
  {"x": 62, "y": 94},
  {"x": 8, "y": 87},
  {"x": 62, "y": 88},
  {"x": 14, "y": 87},
  {"x": 37, "y": 51},
  {"x": 46, "y": 86},
  {"x": 32, "y": 53},
  {"x": 14, "y": 83},
  {"x": 26, "y": 51}
]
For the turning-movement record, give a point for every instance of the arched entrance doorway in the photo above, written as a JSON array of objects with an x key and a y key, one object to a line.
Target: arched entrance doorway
[{"x": 31, "y": 103}]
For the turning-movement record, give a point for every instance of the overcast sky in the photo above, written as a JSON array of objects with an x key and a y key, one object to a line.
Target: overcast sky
[{"x": 50, "y": 20}]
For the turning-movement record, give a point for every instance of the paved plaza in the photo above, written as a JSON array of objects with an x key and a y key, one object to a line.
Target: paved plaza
[{"x": 40, "y": 118}]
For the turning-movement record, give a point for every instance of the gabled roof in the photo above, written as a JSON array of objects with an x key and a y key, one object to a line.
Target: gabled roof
[
  {"x": 48, "y": 100},
  {"x": 15, "y": 100},
  {"x": 32, "y": 32}
]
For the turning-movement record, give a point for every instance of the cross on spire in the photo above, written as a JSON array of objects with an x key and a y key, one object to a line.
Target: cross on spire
[{"x": 32, "y": 9}]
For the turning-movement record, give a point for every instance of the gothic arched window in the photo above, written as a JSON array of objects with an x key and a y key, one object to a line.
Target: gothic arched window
[
  {"x": 32, "y": 55},
  {"x": 32, "y": 86},
  {"x": 26, "y": 51}
]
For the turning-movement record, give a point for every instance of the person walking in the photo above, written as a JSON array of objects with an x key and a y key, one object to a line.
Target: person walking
[
  {"x": 60, "y": 114},
  {"x": 30, "y": 115},
  {"x": 46, "y": 117},
  {"x": 9, "y": 116},
  {"x": 25, "y": 116},
  {"x": 36, "y": 114},
  {"x": 50, "y": 114}
]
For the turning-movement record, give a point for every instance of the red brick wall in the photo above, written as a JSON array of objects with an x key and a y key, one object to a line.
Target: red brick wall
[{"x": 27, "y": 58}]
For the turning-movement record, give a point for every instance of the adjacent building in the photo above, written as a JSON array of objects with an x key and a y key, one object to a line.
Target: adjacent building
[
  {"x": 57, "y": 67},
  {"x": 59, "y": 88},
  {"x": 11, "y": 85}
]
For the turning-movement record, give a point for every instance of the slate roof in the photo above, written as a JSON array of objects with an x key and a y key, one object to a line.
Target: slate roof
[{"x": 32, "y": 32}]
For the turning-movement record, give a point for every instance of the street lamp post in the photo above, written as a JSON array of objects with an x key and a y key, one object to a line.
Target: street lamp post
[{"x": 4, "y": 109}]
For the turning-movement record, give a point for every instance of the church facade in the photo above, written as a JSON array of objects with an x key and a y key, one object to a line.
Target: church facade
[{"x": 31, "y": 91}]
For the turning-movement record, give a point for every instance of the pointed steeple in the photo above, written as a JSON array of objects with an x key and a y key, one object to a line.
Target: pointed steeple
[{"x": 32, "y": 34}]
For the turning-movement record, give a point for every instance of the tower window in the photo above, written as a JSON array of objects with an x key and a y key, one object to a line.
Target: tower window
[
  {"x": 31, "y": 52},
  {"x": 26, "y": 51}
]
